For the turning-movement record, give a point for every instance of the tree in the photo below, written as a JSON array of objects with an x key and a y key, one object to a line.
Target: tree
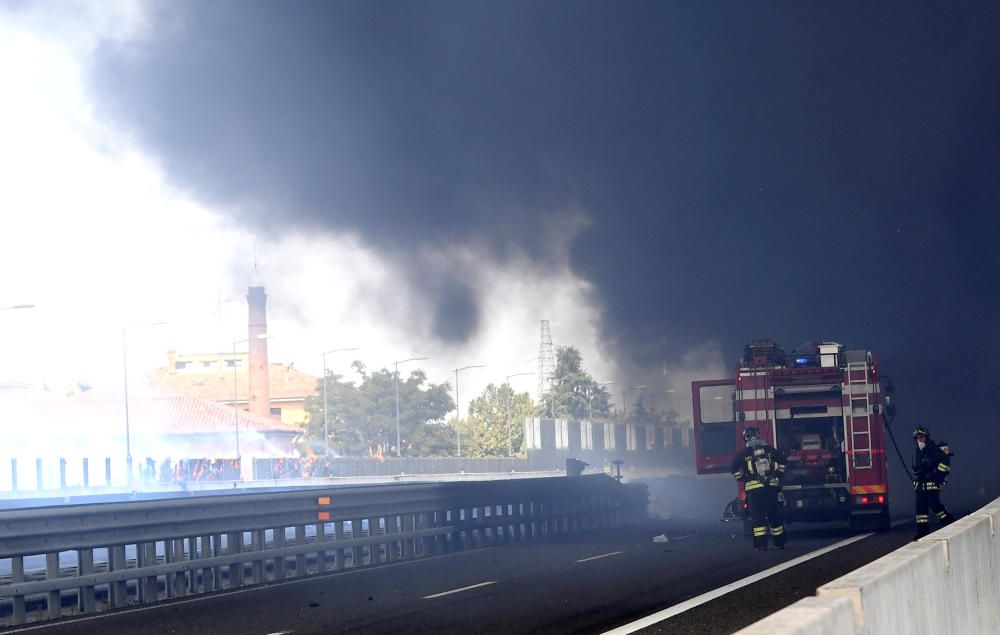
[
  {"x": 485, "y": 432},
  {"x": 574, "y": 393},
  {"x": 362, "y": 417}
]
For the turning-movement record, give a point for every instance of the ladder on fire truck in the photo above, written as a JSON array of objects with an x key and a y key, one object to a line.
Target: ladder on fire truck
[{"x": 861, "y": 436}]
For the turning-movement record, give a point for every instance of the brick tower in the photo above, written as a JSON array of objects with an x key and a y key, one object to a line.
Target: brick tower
[{"x": 260, "y": 383}]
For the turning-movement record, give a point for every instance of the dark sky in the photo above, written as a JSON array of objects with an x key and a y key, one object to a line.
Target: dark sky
[{"x": 798, "y": 170}]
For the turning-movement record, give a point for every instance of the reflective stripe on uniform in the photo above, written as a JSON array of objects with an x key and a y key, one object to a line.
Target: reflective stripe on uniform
[
  {"x": 922, "y": 518},
  {"x": 777, "y": 531},
  {"x": 753, "y": 485},
  {"x": 759, "y": 531},
  {"x": 943, "y": 468},
  {"x": 941, "y": 514},
  {"x": 738, "y": 473}
]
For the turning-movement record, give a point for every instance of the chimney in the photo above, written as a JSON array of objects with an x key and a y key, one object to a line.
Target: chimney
[{"x": 260, "y": 386}]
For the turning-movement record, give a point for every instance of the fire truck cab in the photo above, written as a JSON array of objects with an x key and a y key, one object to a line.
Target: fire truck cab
[{"x": 822, "y": 407}]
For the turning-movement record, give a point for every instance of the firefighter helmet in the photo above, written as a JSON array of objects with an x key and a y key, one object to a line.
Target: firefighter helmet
[
  {"x": 750, "y": 433},
  {"x": 921, "y": 431}
]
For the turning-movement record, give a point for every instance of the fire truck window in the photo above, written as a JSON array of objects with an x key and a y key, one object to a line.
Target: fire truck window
[
  {"x": 717, "y": 429},
  {"x": 716, "y": 404}
]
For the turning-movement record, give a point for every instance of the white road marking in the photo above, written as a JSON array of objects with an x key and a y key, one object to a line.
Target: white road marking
[
  {"x": 281, "y": 633},
  {"x": 683, "y": 537},
  {"x": 603, "y": 555},
  {"x": 901, "y": 521},
  {"x": 677, "y": 609},
  {"x": 465, "y": 588}
]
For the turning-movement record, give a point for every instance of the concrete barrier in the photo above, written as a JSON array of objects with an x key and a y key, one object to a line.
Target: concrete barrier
[
  {"x": 808, "y": 616},
  {"x": 898, "y": 593},
  {"x": 945, "y": 583}
]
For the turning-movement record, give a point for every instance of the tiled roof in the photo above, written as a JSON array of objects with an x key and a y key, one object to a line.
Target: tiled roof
[
  {"x": 287, "y": 382},
  {"x": 148, "y": 415}
]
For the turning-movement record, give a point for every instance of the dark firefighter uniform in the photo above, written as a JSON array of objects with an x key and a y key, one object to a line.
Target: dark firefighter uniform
[
  {"x": 760, "y": 467},
  {"x": 931, "y": 467}
]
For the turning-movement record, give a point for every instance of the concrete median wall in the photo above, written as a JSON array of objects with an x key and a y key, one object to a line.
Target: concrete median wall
[{"x": 948, "y": 582}]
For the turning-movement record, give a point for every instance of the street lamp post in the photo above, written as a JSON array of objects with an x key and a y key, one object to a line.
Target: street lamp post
[
  {"x": 236, "y": 405},
  {"x": 458, "y": 406},
  {"x": 326, "y": 420},
  {"x": 395, "y": 381},
  {"x": 128, "y": 430},
  {"x": 506, "y": 410}
]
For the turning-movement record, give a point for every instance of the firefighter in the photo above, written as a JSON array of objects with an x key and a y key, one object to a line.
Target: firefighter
[
  {"x": 931, "y": 467},
  {"x": 761, "y": 467}
]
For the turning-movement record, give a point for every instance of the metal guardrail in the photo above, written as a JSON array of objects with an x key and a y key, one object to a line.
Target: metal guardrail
[{"x": 84, "y": 559}]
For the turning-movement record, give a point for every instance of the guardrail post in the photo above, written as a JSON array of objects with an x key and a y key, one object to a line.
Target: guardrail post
[
  {"x": 119, "y": 588},
  {"x": 86, "y": 472},
  {"x": 390, "y": 544},
  {"x": 168, "y": 579},
  {"x": 180, "y": 580},
  {"x": 279, "y": 561},
  {"x": 211, "y": 577},
  {"x": 62, "y": 473},
  {"x": 256, "y": 546},
  {"x": 39, "y": 484},
  {"x": 320, "y": 553},
  {"x": 358, "y": 554},
  {"x": 107, "y": 471},
  {"x": 54, "y": 603},
  {"x": 13, "y": 474},
  {"x": 425, "y": 546},
  {"x": 300, "y": 559},
  {"x": 374, "y": 549},
  {"x": 338, "y": 531},
  {"x": 17, "y": 575},
  {"x": 234, "y": 543},
  {"x": 85, "y": 566},
  {"x": 409, "y": 543},
  {"x": 192, "y": 573},
  {"x": 455, "y": 537},
  {"x": 147, "y": 586}
]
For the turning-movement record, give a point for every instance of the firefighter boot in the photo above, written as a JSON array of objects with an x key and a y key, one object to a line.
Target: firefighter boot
[
  {"x": 760, "y": 538},
  {"x": 779, "y": 536},
  {"x": 923, "y": 528}
]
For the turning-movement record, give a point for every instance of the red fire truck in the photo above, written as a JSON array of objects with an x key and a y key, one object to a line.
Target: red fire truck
[{"x": 822, "y": 407}]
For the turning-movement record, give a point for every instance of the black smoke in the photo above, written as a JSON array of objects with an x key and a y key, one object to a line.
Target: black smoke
[{"x": 804, "y": 171}]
